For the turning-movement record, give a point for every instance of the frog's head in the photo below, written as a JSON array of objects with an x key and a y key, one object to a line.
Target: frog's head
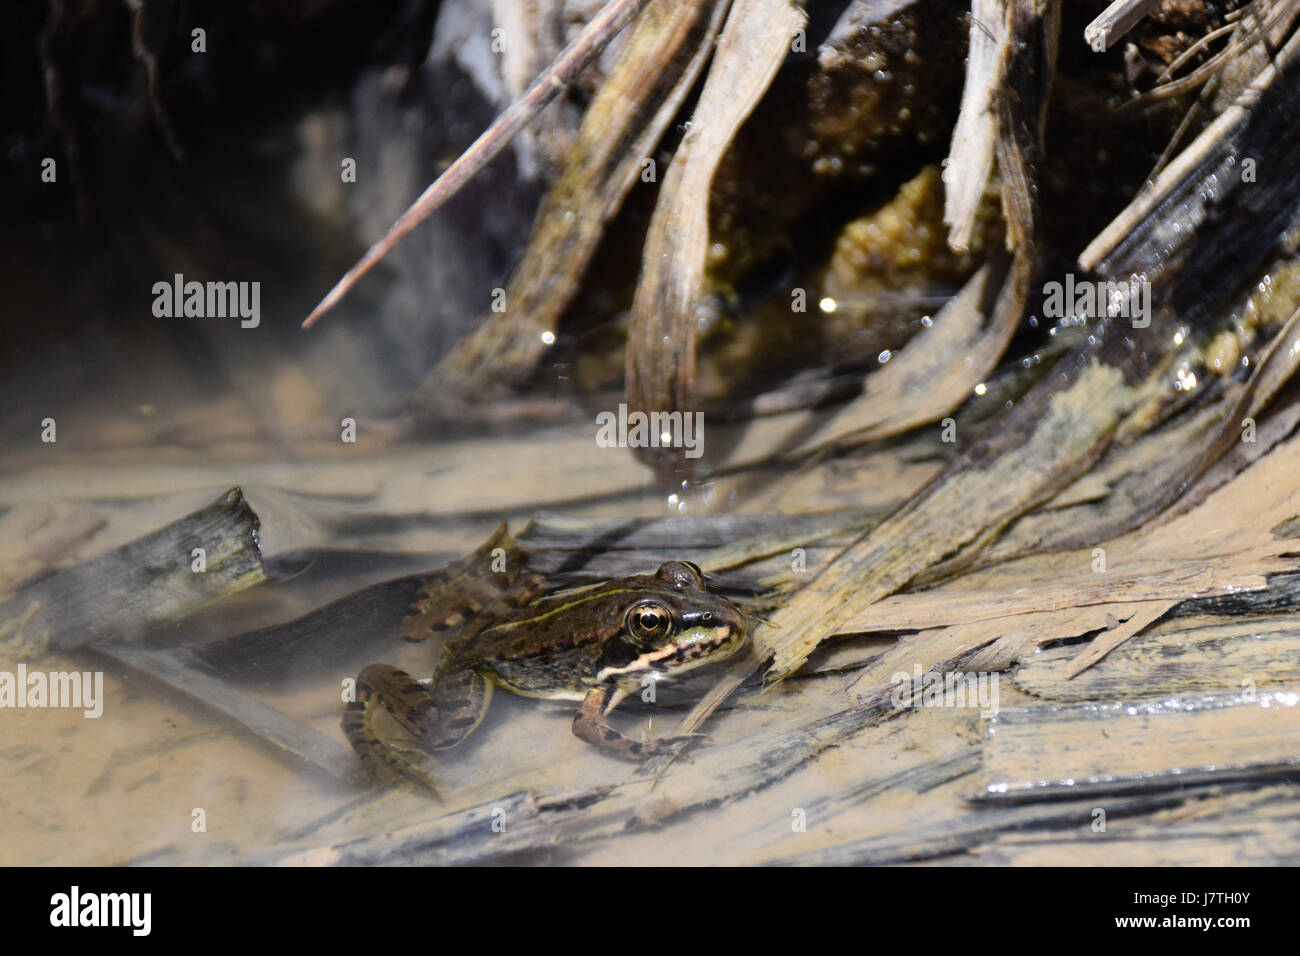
[{"x": 673, "y": 624}]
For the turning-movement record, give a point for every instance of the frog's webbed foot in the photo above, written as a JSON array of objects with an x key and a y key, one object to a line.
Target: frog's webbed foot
[
  {"x": 404, "y": 760},
  {"x": 589, "y": 724},
  {"x": 436, "y": 717}
]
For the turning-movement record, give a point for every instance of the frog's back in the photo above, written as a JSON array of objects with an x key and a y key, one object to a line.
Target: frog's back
[{"x": 554, "y": 646}]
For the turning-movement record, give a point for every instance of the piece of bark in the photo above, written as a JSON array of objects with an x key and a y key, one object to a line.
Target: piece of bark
[
  {"x": 147, "y": 583},
  {"x": 1183, "y": 655},
  {"x": 1139, "y": 746}
]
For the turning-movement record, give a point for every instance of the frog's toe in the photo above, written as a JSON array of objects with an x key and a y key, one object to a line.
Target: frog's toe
[
  {"x": 675, "y": 745},
  {"x": 686, "y": 738}
]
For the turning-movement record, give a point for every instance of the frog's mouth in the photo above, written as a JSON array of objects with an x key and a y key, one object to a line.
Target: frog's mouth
[
  {"x": 707, "y": 634},
  {"x": 698, "y": 644},
  {"x": 703, "y": 641}
]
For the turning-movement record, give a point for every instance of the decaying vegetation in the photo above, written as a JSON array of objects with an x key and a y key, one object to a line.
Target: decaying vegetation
[
  {"x": 1184, "y": 236},
  {"x": 844, "y": 218}
]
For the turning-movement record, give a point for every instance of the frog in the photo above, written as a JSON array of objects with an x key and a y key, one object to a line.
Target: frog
[{"x": 593, "y": 645}]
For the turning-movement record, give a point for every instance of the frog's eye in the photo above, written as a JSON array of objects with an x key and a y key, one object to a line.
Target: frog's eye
[{"x": 648, "y": 623}]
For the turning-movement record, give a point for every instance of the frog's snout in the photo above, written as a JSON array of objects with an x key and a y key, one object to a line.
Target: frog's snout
[
  {"x": 725, "y": 623},
  {"x": 738, "y": 623}
]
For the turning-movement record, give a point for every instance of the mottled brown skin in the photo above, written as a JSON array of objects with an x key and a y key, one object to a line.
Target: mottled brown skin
[{"x": 595, "y": 645}]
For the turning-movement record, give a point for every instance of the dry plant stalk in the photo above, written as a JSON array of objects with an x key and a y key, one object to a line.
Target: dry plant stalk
[
  {"x": 661, "y": 335},
  {"x": 660, "y": 63},
  {"x": 1057, "y": 432},
  {"x": 992, "y": 485},
  {"x": 1115, "y": 21}
]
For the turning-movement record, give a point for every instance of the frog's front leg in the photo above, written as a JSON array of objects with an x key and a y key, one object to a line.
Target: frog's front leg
[
  {"x": 437, "y": 716},
  {"x": 589, "y": 724}
]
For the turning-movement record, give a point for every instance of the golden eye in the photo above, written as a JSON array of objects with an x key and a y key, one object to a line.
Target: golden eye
[{"x": 649, "y": 622}]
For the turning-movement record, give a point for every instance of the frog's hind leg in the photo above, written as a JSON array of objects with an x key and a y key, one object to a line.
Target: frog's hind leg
[{"x": 437, "y": 717}]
